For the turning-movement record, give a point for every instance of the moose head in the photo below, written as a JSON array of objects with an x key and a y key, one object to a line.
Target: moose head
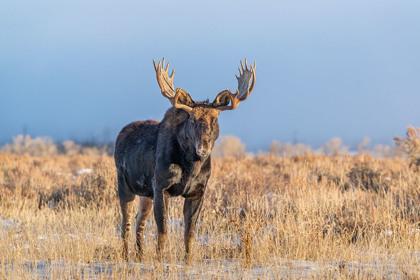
[{"x": 202, "y": 127}]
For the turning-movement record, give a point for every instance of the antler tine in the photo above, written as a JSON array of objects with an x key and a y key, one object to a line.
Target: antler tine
[
  {"x": 251, "y": 88},
  {"x": 243, "y": 90},
  {"x": 154, "y": 64}
]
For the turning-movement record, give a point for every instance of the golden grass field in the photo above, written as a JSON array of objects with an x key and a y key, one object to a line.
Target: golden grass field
[{"x": 267, "y": 217}]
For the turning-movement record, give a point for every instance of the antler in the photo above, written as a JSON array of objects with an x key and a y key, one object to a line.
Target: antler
[
  {"x": 166, "y": 85},
  {"x": 165, "y": 82},
  {"x": 243, "y": 89},
  {"x": 180, "y": 106}
]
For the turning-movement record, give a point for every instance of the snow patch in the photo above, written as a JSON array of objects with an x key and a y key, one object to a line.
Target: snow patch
[
  {"x": 83, "y": 171},
  {"x": 10, "y": 224}
]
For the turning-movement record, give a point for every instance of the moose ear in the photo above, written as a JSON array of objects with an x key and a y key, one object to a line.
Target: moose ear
[
  {"x": 185, "y": 99},
  {"x": 222, "y": 99}
]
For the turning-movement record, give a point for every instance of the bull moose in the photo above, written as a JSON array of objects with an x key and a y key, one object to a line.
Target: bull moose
[{"x": 158, "y": 160}]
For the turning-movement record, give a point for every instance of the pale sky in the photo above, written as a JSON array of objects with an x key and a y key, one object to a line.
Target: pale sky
[{"x": 83, "y": 69}]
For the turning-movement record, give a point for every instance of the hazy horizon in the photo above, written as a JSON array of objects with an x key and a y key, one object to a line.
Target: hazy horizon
[{"x": 83, "y": 70}]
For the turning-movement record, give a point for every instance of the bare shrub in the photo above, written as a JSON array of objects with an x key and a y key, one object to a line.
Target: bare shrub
[
  {"x": 288, "y": 149},
  {"x": 410, "y": 145},
  {"x": 365, "y": 176},
  {"x": 24, "y": 144},
  {"x": 363, "y": 145},
  {"x": 383, "y": 151},
  {"x": 275, "y": 147},
  {"x": 45, "y": 146},
  {"x": 334, "y": 147},
  {"x": 229, "y": 146},
  {"x": 71, "y": 148}
]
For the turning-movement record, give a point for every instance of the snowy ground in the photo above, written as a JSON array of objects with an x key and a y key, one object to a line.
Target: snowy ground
[
  {"x": 385, "y": 267},
  {"x": 223, "y": 269}
]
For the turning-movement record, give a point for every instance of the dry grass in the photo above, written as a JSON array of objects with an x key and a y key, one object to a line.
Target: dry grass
[{"x": 343, "y": 217}]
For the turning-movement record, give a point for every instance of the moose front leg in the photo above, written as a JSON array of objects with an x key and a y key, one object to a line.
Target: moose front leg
[
  {"x": 160, "y": 209},
  {"x": 192, "y": 208}
]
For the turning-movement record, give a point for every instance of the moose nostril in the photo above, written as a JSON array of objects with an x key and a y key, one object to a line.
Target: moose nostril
[{"x": 202, "y": 152}]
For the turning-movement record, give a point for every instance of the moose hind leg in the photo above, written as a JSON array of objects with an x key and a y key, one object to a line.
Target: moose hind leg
[
  {"x": 192, "y": 208},
  {"x": 126, "y": 203},
  {"x": 127, "y": 211},
  {"x": 145, "y": 207}
]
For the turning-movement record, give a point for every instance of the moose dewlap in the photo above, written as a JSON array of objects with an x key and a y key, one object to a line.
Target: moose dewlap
[{"x": 158, "y": 160}]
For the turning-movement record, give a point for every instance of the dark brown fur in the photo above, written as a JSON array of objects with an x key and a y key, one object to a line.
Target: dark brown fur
[{"x": 159, "y": 160}]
